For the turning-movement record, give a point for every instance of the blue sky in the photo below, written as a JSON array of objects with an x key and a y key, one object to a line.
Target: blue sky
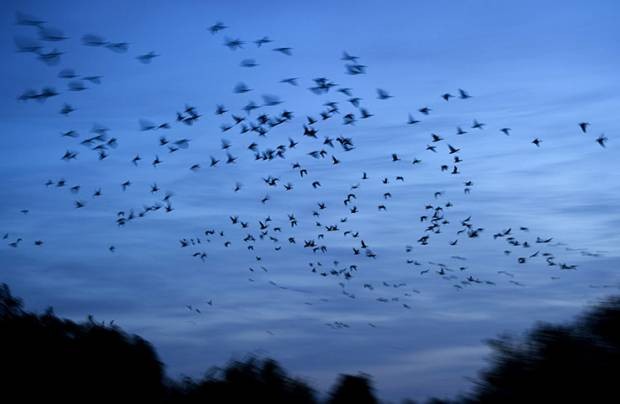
[{"x": 539, "y": 69}]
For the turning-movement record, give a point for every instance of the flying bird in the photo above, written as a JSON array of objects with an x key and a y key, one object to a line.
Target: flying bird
[
  {"x": 383, "y": 94},
  {"x": 602, "y": 139}
]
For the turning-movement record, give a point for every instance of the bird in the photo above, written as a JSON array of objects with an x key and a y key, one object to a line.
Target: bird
[
  {"x": 477, "y": 125},
  {"x": 383, "y": 94},
  {"x": 411, "y": 120},
  {"x": 425, "y": 110},
  {"x": 217, "y": 27},
  {"x": 447, "y": 96},
  {"x": 463, "y": 94},
  {"x": 147, "y": 57},
  {"x": 262, "y": 41},
  {"x": 241, "y": 88},
  {"x": 292, "y": 81},
  {"x": 284, "y": 51},
  {"x": 66, "y": 109},
  {"x": 601, "y": 140},
  {"x": 349, "y": 58}
]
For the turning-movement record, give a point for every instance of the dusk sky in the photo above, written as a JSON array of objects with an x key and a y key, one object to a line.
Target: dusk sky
[{"x": 538, "y": 68}]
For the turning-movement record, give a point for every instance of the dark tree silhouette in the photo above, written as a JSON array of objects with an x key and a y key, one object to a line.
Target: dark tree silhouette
[
  {"x": 577, "y": 362},
  {"x": 44, "y": 358},
  {"x": 353, "y": 389},
  {"x": 248, "y": 381},
  {"x": 10, "y": 306}
]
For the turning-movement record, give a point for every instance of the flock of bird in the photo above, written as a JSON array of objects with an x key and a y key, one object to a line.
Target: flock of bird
[{"x": 260, "y": 122}]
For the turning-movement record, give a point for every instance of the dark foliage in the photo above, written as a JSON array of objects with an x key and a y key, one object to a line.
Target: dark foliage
[
  {"x": 353, "y": 389},
  {"x": 578, "y": 362},
  {"x": 45, "y": 358},
  {"x": 56, "y": 360},
  {"x": 249, "y": 381}
]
